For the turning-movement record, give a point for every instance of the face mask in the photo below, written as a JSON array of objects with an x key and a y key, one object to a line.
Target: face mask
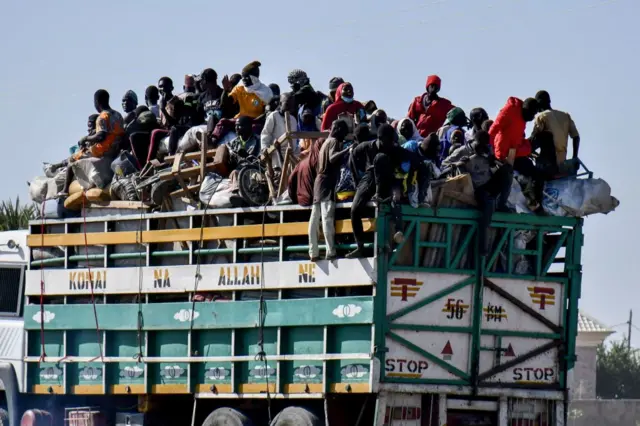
[{"x": 347, "y": 100}]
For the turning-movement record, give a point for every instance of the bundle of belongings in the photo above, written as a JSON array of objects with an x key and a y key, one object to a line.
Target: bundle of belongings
[{"x": 315, "y": 149}]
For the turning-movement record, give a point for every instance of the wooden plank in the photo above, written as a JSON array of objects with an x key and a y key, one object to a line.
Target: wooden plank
[
  {"x": 181, "y": 192},
  {"x": 188, "y": 172},
  {"x": 169, "y": 389},
  {"x": 203, "y": 156},
  {"x": 191, "y": 155},
  {"x": 118, "y": 205},
  {"x": 284, "y": 176},
  {"x": 173, "y": 235}
]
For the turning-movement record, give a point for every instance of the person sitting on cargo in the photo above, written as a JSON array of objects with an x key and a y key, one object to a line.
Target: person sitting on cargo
[
  {"x": 477, "y": 116},
  {"x": 330, "y": 160},
  {"x": 275, "y": 127},
  {"x": 429, "y": 110},
  {"x": 250, "y": 95},
  {"x": 491, "y": 180},
  {"x": 246, "y": 144},
  {"x": 151, "y": 97},
  {"x": 165, "y": 87},
  {"x": 509, "y": 143},
  {"x": 275, "y": 101},
  {"x": 561, "y": 126},
  {"x": 304, "y": 93},
  {"x": 428, "y": 151},
  {"x": 210, "y": 100},
  {"x": 344, "y": 103},
  {"x": 407, "y": 131},
  {"x": 334, "y": 83},
  {"x": 373, "y": 165},
  {"x": 104, "y": 141},
  {"x": 129, "y": 104},
  {"x": 378, "y": 118},
  {"x": 452, "y": 132},
  {"x": 189, "y": 87},
  {"x": 138, "y": 132}
]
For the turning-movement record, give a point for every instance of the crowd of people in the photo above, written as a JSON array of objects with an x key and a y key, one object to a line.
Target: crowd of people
[{"x": 367, "y": 156}]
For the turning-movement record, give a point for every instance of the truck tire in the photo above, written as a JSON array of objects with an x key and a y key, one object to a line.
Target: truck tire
[
  {"x": 295, "y": 416},
  {"x": 4, "y": 417},
  {"x": 36, "y": 418},
  {"x": 227, "y": 417}
]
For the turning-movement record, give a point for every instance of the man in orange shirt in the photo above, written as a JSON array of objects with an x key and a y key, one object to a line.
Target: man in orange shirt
[{"x": 109, "y": 127}]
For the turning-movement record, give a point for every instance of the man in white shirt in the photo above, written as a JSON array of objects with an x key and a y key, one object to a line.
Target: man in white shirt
[{"x": 274, "y": 126}]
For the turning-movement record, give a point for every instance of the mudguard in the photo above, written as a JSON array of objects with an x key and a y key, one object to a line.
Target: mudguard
[{"x": 10, "y": 382}]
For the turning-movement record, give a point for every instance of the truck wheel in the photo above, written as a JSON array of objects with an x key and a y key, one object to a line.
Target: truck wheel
[
  {"x": 4, "y": 417},
  {"x": 36, "y": 418},
  {"x": 227, "y": 417},
  {"x": 295, "y": 416}
]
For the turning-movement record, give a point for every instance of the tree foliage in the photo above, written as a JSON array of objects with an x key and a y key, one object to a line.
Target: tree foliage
[
  {"x": 617, "y": 372},
  {"x": 15, "y": 216}
]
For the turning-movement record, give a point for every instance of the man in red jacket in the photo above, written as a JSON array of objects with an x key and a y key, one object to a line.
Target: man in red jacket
[
  {"x": 429, "y": 110},
  {"x": 508, "y": 139}
]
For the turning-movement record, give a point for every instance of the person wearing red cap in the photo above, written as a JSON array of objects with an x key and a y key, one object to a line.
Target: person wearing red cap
[{"x": 429, "y": 110}]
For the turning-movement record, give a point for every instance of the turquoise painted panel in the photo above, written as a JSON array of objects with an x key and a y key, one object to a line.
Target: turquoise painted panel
[
  {"x": 85, "y": 373},
  {"x": 177, "y": 316},
  {"x": 53, "y": 343},
  {"x": 257, "y": 371},
  {"x": 124, "y": 344},
  {"x": 168, "y": 344},
  {"x": 302, "y": 341},
  {"x": 349, "y": 339},
  {"x": 45, "y": 373},
  {"x": 208, "y": 343}
]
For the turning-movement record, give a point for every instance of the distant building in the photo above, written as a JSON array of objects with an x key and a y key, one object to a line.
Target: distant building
[{"x": 591, "y": 333}]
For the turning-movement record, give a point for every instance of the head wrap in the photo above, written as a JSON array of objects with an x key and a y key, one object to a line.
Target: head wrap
[
  {"x": 298, "y": 76},
  {"x": 335, "y": 82},
  {"x": 434, "y": 79},
  {"x": 453, "y": 114},
  {"x": 252, "y": 68},
  {"x": 131, "y": 95}
]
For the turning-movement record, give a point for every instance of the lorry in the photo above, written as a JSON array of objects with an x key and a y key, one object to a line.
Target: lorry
[{"x": 217, "y": 317}]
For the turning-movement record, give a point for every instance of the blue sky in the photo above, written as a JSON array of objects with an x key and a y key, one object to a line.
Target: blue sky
[{"x": 584, "y": 52}]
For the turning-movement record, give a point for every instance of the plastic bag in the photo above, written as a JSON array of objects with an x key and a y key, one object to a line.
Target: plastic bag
[
  {"x": 192, "y": 139},
  {"x": 212, "y": 185},
  {"x": 43, "y": 188},
  {"x": 92, "y": 172},
  {"x": 517, "y": 200},
  {"x": 578, "y": 197}
]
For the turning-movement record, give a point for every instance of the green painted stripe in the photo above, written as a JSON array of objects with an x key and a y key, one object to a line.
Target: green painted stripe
[
  {"x": 238, "y": 314},
  {"x": 434, "y": 359},
  {"x": 509, "y": 218},
  {"x": 430, "y": 299}
]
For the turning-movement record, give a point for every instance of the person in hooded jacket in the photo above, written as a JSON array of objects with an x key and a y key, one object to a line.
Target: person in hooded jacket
[
  {"x": 429, "y": 110},
  {"x": 407, "y": 131},
  {"x": 507, "y": 136},
  {"x": 451, "y": 134},
  {"x": 378, "y": 118},
  {"x": 344, "y": 103},
  {"x": 250, "y": 95}
]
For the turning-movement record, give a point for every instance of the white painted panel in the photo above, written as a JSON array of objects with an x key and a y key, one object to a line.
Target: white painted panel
[
  {"x": 173, "y": 279},
  {"x": 542, "y": 369},
  {"x": 401, "y": 362}
]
